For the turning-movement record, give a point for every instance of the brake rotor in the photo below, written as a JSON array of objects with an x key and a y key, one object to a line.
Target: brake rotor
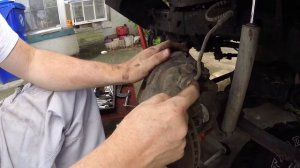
[{"x": 170, "y": 78}]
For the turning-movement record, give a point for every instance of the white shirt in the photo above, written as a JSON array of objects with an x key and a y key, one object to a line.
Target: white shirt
[{"x": 8, "y": 39}]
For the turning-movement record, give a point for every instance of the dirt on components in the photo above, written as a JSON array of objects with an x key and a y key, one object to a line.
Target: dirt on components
[{"x": 170, "y": 78}]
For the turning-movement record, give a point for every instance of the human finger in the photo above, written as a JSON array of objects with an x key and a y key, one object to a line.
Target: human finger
[
  {"x": 157, "y": 99},
  {"x": 179, "y": 153},
  {"x": 186, "y": 117},
  {"x": 187, "y": 96},
  {"x": 156, "y": 59},
  {"x": 171, "y": 44},
  {"x": 162, "y": 46}
]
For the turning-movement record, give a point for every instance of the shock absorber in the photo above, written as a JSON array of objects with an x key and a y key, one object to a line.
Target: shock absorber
[{"x": 242, "y": 73}]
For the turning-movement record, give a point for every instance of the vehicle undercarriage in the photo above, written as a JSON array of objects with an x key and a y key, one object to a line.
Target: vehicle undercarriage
[{"x": 266, "y": 35}]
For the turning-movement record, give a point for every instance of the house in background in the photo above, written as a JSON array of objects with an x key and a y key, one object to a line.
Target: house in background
[{"x": 50, "y": 22}]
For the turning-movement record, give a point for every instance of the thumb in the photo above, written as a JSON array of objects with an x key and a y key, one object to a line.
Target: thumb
[
  {"x": 157, "y": 99},
  {"x": 187, "y": 96}
]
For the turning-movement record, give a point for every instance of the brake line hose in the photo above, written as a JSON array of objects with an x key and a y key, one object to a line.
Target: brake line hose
[{"x": 224, "y": 17}]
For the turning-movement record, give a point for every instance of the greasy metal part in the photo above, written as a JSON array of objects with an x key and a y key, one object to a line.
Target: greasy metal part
[
  {"x": 279, "y": 18},
  {"x": 118, "y": 92},
  {"x": 220, "y": 55},
  {"x": 126, "y": 103},
  {"x": 223, "y": 77},
  {"x": 282, "y": 149},
  {"x": 205, "y": 113},
  {"x": 214, "y": 157},
  {"x": 220, "y": 22},
  {"x": 106, "y": 97},
  {"x": 137, "y": 10},
  {"x": 186, "y": 3},
  {"x": 221, "y": 150},
  {"x": 180, "y": 20},
  {"x": 184, "y": 25},
  {"x": 245, "y": 60},
  {"x": 216, "y": 6},
  {"x": 194, "y": 126},
  {"x": 189, "y": 24},
  {"x": 252, "y": 11},
  {"x": 127, "y": 99},
  {"x": 167, "y": 78},
  {"x": 170, "y": 78}
]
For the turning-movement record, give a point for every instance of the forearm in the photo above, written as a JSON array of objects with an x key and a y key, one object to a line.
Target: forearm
[
  {"x": 151, "y": 136},
  {"x": 110, "y": 155},
  {"x": 101, "y": 157},
  {"x": 58, "y": 72}
]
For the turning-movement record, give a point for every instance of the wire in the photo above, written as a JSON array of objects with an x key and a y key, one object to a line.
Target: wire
[
  {"x": 220, "y": 22},
  {"x": 252, "y": 11}
]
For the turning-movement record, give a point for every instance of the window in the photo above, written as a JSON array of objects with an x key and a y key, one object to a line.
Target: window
[
  {"x": 43, "y": 15},
  {"x": 88, "y": 11}
]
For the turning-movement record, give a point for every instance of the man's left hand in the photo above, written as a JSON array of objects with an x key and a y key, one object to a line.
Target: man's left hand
[{"x": 140, "y": 66}]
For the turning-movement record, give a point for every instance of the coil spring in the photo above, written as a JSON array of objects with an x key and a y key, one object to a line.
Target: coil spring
[{"x": 215, "y": 7}]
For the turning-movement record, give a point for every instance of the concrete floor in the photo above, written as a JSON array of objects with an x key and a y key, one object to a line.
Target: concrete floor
[{"x": 9, "y": 88}]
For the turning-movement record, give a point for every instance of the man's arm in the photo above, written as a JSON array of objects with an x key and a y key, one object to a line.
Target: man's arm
[
  {"x": 151, "y": 136},
  {"x": 58, "y": 72}
]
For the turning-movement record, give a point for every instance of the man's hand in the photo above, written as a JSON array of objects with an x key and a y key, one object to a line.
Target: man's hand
[
  {"x": 153, "y": 134},
  {"x": 139, "y": 67},
  {"x": 54, "y": 71}
]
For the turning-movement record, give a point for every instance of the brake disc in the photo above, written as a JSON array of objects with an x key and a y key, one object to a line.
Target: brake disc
[{"x": 170, "y": 78}]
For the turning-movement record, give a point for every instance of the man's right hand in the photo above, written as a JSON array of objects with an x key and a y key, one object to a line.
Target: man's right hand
[{"x": 153, "y": 134}]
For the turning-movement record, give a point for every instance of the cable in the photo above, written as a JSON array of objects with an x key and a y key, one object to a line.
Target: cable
[
  {"x": 252, "y": 11},
  {"x": 220, "y": 22}
]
